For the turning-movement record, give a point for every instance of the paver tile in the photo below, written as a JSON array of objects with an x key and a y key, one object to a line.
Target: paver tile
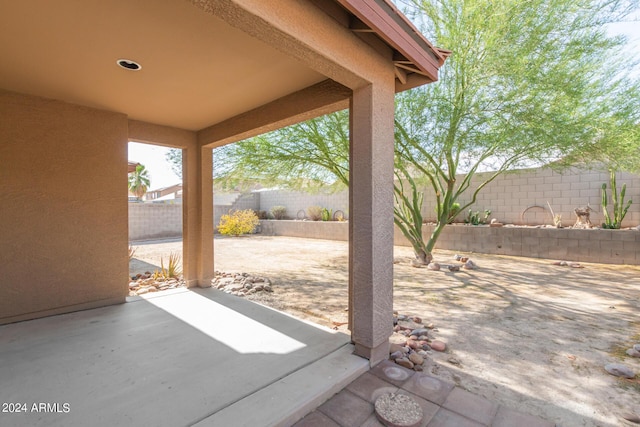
[
  {"x": 429, "y": 409},
  {"x": 471, "y": 406},
  {"x": 446, "y": 418},
  {"x": 369, "y": 387},
  {"x": 347, "y": 409},
  {"x": 392, "y": 373},
  {"x": 372, "y": 421},
  {"x": 428, "y": 387},
  {"x": 316, "y": 419},
  {"x": 507, "y": 417}
]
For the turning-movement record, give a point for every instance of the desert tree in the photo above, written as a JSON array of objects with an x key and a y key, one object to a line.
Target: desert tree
[
  {"x": 528, "y": 83},
  {"x": 139, "y": 181}
]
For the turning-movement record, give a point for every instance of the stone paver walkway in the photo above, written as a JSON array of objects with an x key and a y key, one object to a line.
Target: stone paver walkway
[{"x": 443, "y": 404}]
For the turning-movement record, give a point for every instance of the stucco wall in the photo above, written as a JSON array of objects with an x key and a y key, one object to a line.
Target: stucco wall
[{"x": 63, "y": 204}]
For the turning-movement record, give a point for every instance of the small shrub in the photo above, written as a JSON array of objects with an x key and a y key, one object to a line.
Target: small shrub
[
  {"x": 315, "y": 213},
  {"x": 327, "y": 214},
  {"x": 473, "y": 217},
  {"x": 173, "y": 267},
  {"x": 261, "y": 214},
  {"x": 238, "y": 222},
  {"x": 279, "y": 212}
]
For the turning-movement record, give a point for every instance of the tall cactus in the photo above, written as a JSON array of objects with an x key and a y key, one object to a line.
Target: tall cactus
[{"x": 619, "y": 207}]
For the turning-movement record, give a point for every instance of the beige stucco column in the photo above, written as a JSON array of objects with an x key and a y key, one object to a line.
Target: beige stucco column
[
  {"x": 197, "y": 170},
  {"x": 371, "y": 220}
]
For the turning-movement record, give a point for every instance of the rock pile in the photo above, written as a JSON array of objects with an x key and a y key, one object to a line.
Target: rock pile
[
  {"x": 141, "y": 284},
  {"x": 412, "y": 342},
  {"x": 466, "y": 263},
  {"x": 240, "y": 284}
]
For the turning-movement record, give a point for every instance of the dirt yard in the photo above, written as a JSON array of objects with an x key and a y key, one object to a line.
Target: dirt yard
[{"x": 520, "y": 331}]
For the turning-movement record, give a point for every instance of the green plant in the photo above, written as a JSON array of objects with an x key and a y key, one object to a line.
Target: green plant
[
  {"x": 261, "y": 214},
  {"x": 455, "y": 210},
  {"x": 314, "y": 213},
  {"x": 238, "y": 222},
  {"x": 172, "y": 269},
  {"x": 278, "y": 212},
  {"x": 327, "y": 214},
  {"x": 619, "y": 207},
  {"x": 473, "y": 217}
]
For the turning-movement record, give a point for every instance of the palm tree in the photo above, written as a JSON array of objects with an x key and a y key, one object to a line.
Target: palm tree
[{"x": 139, "y": 181}]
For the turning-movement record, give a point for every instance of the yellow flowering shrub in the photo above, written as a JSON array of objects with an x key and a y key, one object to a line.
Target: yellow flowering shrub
[{"x": 238, "y": 222}]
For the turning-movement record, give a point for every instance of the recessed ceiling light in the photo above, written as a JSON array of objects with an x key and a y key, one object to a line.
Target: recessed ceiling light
[{"x": 128, "y": 64}]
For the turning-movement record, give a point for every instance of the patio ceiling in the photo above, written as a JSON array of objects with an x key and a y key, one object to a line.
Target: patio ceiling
[{"x": 196, "y": 69}]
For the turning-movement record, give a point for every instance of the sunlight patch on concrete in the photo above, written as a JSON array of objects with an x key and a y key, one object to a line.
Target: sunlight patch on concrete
[{"x": 222, "y": 324}]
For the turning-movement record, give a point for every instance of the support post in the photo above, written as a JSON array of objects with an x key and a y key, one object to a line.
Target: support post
[
  {"x": 371, "y": 220},
  {"x": 197, "y": 170}
]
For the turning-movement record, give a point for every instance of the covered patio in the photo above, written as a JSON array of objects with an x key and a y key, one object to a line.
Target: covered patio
[{"x": 80, "y": 81}]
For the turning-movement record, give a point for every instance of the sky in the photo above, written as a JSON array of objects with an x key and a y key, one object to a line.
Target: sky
[{"x": 153, "y": 156}]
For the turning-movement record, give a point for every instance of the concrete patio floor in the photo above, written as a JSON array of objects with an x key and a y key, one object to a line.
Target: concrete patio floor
[
  {"x": 185, "y": 357},
  {"x": 201, "y": 358}
]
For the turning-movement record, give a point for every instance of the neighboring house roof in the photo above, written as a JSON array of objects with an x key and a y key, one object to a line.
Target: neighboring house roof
[{"x": 132, "y": 167}]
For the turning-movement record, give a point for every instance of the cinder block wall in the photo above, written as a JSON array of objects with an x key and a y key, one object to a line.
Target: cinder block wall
[
  {"x": 154, "y": 220},
  {"x": 510, "y": 194},
  {"x": 300, "y": 201},
  {"x": 518, "y": 197},
  {"x": 595, "y": 245}
]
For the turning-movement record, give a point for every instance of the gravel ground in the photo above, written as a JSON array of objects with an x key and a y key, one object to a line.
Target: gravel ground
[{"x": 521, "y": 331}]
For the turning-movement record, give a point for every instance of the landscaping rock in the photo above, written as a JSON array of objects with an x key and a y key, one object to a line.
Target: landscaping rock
[
  {"x": 453, "y": 268},
  {"x": 416, "y": 359},
  {"x": 398, "y": 338},
  {"x": 630, "y": 416},
  {"x": 413, "y": 344},
  {"x": 619, "y": 370},
  {"x": 633, "y": 352},
  {"x": 636, "y": 347},
  {"x": 420, "y": 332},
  {"x": 434, "y": 266},
  {"x": 409, "y": 325},
  {"x": 438, "y": 345},
  {"x": 405, "y": 362},
  {"x": 240, "y": 284},
  {"x": 395, "y": 347},
  {"x": 397, "y": 355},
  {"x": 469, "y": 265}
]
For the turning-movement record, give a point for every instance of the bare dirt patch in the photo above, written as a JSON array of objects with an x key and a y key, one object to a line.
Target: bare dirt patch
[{"x": 528, "y": 334}]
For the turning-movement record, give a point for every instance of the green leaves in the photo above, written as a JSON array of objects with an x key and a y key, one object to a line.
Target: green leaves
[{"x": 139, "y": 181}]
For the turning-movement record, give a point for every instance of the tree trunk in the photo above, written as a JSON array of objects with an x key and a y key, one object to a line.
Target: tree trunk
[
  {"x": 422, "y": 257},
  {"x": 434, "y": 238}
]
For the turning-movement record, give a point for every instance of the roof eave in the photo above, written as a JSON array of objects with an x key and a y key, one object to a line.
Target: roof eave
[{"x": 414, "y": 53}]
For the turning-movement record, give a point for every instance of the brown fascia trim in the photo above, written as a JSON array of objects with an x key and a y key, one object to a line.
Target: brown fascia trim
[{"x": 398, "y": 32}]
